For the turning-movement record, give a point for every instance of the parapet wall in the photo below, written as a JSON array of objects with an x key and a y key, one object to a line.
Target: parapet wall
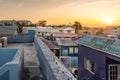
[
  {"x": 20, "y": 39},
  {"x": 52, "y": 68},
  {"x": 6, "y": 55},
  {"x": 12, "y": 69},
  {"x": 45, "y": 68}
]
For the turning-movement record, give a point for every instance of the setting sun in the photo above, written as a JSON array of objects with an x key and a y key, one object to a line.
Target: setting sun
[{"x": 109, "y": 20}]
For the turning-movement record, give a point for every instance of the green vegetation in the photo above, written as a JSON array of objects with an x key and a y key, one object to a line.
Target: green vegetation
[
  {"x": 77, "y": 26},
  {"x": 20, "y": 26},
  {"x": 42, "y": 23}
]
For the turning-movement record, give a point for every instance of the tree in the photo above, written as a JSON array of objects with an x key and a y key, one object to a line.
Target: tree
[
  {"x": 77, "y": 26},
  {"x": 42, "y": 23},
  {"x": 20, "y": 27}
]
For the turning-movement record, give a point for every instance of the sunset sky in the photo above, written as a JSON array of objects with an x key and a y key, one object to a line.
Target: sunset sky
[{"x": 87, "y": 12}]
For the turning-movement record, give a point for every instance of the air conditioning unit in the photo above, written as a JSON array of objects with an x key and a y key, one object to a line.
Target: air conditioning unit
[{"x": 4, "y": 41}]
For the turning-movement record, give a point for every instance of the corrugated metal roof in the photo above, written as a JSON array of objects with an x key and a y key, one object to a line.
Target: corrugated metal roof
[{"x": 107, "y": 45}]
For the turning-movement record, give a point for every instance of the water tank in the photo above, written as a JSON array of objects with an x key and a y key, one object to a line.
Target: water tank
[
  {"x": 4, "y": 41},
  {"x": 0, "y": 45}
]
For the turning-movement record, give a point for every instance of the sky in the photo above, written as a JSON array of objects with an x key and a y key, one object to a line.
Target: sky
[{"x": 90, "y": 13}]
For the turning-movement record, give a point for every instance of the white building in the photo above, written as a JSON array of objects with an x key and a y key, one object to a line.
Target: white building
[
  {"x": 44, "y": 29},
  {"x": 7, "y": 23},
  {"x": 25, "y": 22},
  {"x": 68, "y": 30}
]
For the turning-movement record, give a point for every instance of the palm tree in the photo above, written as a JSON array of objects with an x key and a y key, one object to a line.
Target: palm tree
[
  {"x": 77, "y": 26},
  {"x": 19, "y": 27},
  {"x": 42, "y": 23}
]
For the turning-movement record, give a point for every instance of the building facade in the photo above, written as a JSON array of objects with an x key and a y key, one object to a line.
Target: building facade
[
  {"x": 99, "y": 58},
  {"x": 24, "y": 22},
  {"x": 7, "y": 23},
  {"x": 68, "y": 52}
]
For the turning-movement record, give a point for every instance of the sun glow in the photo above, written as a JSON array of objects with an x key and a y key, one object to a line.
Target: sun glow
[{"x": 108, "y": 20}]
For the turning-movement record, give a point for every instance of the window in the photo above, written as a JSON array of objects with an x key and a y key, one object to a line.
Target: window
[
  {"x": 71, "y": 50},
  {"x": 65, "y": 53},
  {"x": 76, "y": 50},
  {"x": 114, "y": 72},
  {"x": 89, "y": 65}
]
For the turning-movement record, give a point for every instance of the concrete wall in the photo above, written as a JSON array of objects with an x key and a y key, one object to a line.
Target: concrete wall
[
  {"x": 12, "y": 69},
  {"x": 97, "y": 58},
  {"x": 20, "y": 39},
  {"x": 51, "y": 68},
  {"x": 45, "y": 68},
  {"x": 6, "y": 55}
]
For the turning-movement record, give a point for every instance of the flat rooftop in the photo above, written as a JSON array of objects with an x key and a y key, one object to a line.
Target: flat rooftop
[
  {"x": 30, "y": 57},
  {"x": 50, "y": 44}
]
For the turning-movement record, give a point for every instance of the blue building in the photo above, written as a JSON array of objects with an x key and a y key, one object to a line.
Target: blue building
[
  {"x": 68, "y": 50},
  {"x": 99, "y": 58},
  {"x": 11, "y": 63},
  {"x": 67, "y": 47}
]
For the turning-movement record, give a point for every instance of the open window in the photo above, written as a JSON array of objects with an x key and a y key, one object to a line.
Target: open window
[{"x": 89, "y": 65}]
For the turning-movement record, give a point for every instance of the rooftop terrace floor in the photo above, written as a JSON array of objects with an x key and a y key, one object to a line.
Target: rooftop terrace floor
[{"x": 30, "y": 58}]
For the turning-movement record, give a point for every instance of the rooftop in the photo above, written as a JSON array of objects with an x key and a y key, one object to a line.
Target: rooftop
[
  {"x": 30, "y": 57},
  {"x": 66, "y": 42},
  {"x": 64, "y": 35},
  {"x": 68, "y": 28},
  {"x": 50, "y": 44},
  {"x": 29, "y": 28},
  {"x": 110, "y": 46},
  {"x": 40, "y": 58}
]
